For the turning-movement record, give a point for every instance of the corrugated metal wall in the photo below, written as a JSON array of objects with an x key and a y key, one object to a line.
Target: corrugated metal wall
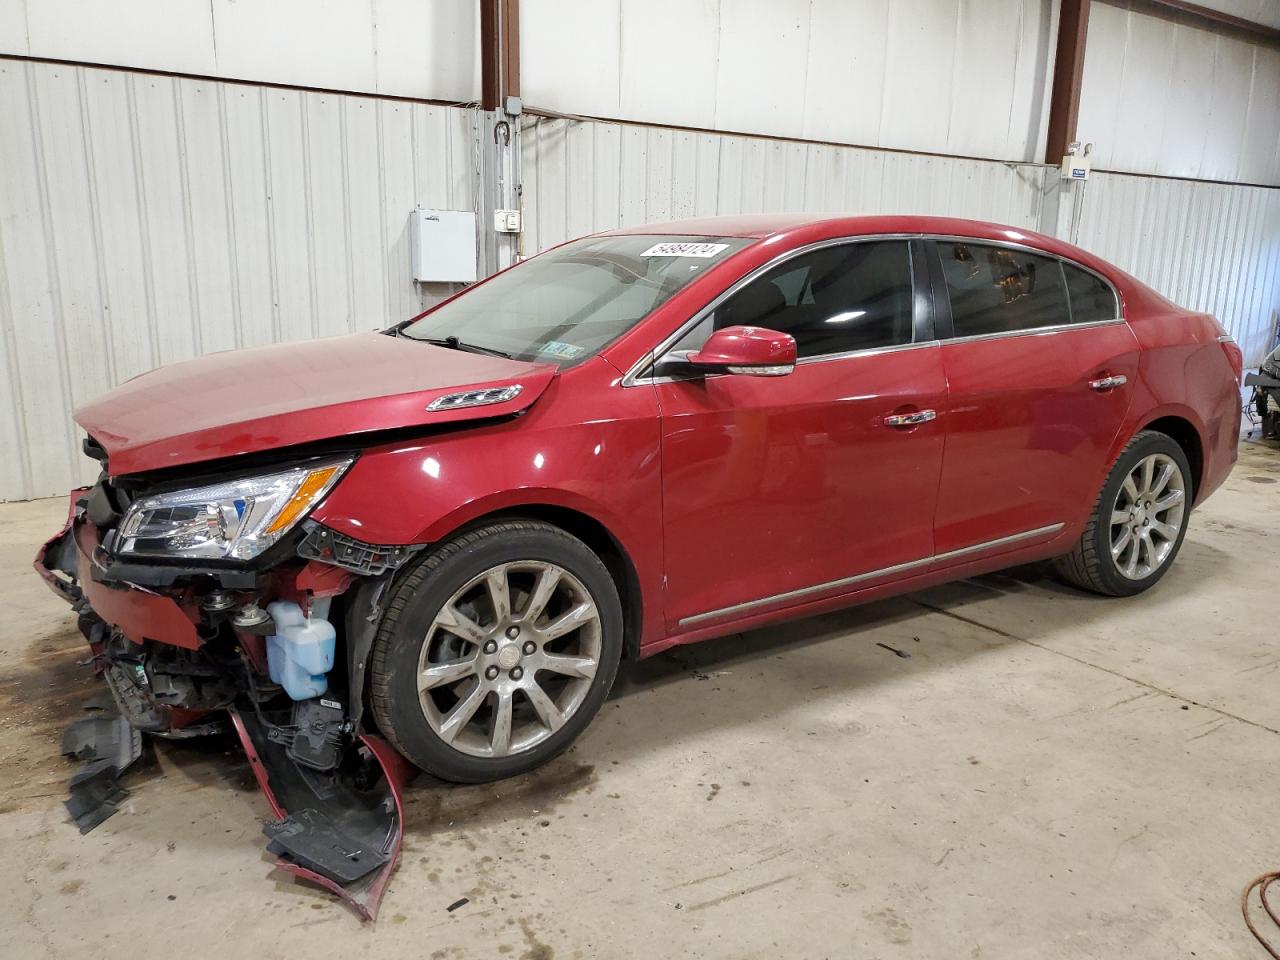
[
  {"x": 964, "y": 77},
  {"x": 1208, "y": 246},
  {"x": 581, "y": 176},
  {"x": 403, "y": 48},
  {"x": 145, "y": 219},
  {"x": 1165, "y": 93}
]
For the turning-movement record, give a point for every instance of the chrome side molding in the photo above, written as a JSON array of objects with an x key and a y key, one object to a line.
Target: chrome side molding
[{"x": 803, "y": 592}]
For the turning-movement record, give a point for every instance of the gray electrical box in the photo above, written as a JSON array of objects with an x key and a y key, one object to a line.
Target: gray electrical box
[{"x": 443, "y": 245}]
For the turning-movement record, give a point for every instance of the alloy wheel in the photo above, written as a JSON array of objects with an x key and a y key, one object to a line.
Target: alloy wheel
[
  {"x": 509, "y": 658},
  {"x": 1147, "y": 516}
]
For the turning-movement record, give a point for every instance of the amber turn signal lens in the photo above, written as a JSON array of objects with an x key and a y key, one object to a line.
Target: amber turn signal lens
[{"x": 301, "y": 501}]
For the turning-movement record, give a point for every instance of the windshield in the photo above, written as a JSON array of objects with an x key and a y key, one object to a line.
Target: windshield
[{"x": 567, "y": 304}]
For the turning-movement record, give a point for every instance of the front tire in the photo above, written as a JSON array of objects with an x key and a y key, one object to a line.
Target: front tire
[
  {"x": 496, "y": 651},
  {"x": 1138, "y": 522}
]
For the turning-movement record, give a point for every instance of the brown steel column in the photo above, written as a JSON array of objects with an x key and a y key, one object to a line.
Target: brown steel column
[
  {"x": 499, "y": 52},
  {"x": 510, "y": 49},
  {"x": 1068, "y": 69}
]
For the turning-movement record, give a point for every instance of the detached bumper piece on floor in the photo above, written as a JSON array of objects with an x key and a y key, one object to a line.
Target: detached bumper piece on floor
[
  {"x": 109, "y": 746},
  {"x": 339, "y": 827}
]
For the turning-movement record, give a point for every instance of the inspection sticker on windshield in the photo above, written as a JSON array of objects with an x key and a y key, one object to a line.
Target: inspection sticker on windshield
[
  {"x": 565, "y": 351},
  {"x": 685, "y": 249}
]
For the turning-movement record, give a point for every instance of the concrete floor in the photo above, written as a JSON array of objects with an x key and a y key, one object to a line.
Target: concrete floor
[{"x": 1048, "y": 774}]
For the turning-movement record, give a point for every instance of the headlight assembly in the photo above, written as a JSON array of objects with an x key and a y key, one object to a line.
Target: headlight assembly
[{"x": 236, "y": 520}]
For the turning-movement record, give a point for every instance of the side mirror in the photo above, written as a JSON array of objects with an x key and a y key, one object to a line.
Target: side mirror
[{"x": 753, "y": 351}]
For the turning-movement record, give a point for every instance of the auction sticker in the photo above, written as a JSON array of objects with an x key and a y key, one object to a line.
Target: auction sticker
[{"x": 685, "y": 249}]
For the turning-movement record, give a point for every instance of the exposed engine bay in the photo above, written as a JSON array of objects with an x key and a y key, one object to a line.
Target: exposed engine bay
[
  {"x": 1266, "y": 395},
  {"x": 275, "y": 650}
]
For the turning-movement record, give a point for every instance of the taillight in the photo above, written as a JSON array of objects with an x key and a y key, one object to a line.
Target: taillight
[{"x": 1235, "y": 356}]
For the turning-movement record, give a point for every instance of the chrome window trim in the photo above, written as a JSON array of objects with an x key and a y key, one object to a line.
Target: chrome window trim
[
  {"x": 633, "y": 375},
  {"x": 802, "y": 592},
  {"x": 868, "y": 352},
  {"x": 1033, "y": 331}
]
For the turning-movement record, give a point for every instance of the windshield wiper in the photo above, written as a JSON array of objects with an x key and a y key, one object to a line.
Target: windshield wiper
[{"x": 453, "y": 343}]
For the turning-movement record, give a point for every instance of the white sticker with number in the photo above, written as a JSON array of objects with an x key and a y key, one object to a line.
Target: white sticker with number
[{"x": 685, "y": 249}]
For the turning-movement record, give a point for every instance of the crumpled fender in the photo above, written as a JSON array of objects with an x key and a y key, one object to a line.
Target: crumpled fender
[{"x": 57, "y": 554}]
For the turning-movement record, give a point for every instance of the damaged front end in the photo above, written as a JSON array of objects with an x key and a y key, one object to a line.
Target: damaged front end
[
  {"x": 193, "y": 624},
  {"x": 1266, "y": 395}
]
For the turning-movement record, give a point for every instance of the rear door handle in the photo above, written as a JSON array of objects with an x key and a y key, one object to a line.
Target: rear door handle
[
  {"x": 1108, "y": 383},
  {"x": 910, "y": 419}
]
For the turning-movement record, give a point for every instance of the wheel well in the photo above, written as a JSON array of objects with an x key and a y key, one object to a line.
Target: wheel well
[
  {"x": 596, "y": 536},
  {"x": 1185, "y": 435}
]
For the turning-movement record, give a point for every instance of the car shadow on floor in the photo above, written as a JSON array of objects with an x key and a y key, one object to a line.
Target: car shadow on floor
[
  {"x": 866, "y": 622},
  {"x": 891, "y": 628}
]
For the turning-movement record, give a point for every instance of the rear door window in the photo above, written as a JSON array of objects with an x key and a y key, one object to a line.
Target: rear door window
[
  {"x": 996, "y": 289},
  {"x": 1092, "y": 299}
]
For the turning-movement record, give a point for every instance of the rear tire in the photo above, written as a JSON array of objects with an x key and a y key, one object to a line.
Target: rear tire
[
  {"x": 1138, "y": 523},
  {"x": 496, "y": 651}
]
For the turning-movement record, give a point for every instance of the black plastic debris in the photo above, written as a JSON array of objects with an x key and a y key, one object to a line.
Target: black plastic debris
[
  {"x": 339, "y": 827},
  {"x": 319, "y": 842},
  {"x": 109, "y": 746}
]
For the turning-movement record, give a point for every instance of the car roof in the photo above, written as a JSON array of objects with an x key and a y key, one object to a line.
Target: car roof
[
  {"x": 761, "y": 226},
  {"x": 798, "y": 229}
]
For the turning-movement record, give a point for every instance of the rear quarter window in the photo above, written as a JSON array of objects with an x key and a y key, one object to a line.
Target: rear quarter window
[{"x": 1092, "y": 299}]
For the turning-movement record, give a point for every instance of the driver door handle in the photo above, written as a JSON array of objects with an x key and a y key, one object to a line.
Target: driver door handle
[
  {"x": 1108, "y": 383},
  {"x": 910, "y": 419}
]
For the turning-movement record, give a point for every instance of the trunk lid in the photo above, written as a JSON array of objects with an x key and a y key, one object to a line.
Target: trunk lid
[{"x": 247, "y": 401}]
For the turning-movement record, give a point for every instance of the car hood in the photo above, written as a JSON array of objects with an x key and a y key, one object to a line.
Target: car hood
[{"x": 247, "y": 401}]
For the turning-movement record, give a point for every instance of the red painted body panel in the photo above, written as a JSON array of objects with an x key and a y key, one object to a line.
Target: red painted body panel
[
  {"x": 140, "y": 615},
  {"x": 1028, "y": 441},
  {"x": 245, "y": 401},
  {"x": 771, "y": 485},
  {"x": 731, "y": 489},
  {"x": 587, "y": 446}
]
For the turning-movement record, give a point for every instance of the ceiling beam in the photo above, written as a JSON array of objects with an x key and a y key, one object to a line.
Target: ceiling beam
[
  {"x": 1068, "y": 70},
  {"x": 1207, "y": 16}
]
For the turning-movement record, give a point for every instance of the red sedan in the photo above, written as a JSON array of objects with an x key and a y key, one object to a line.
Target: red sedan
[{"x": 455, "y": 530}]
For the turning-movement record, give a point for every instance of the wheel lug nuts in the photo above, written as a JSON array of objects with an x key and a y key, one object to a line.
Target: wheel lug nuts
[
  {"x": 530, "y": 646},
  {"x": 491, "y": 673},
  {"x": 513, "y": 632},
  {"x": 516, "y": 673},
  {"x": 491, "y": 646}
]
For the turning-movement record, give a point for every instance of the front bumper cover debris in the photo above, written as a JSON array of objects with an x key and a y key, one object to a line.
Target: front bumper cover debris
[{"x": 342, "y": 829}]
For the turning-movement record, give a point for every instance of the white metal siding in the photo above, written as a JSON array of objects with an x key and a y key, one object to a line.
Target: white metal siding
[
  {"x": 582, "y": 176},
  {"x": 1207, "y": 246},
  {"x": 1165, "y": 95},
  {"x": 409, "y": 48},
  {"x": 964, "y": 77},
  {"x": 146, "y": 219}
]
